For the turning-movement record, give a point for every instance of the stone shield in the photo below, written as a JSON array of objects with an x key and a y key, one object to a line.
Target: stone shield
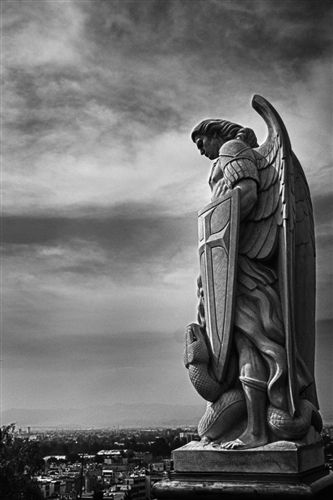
[{"x": 218, "y": 248}]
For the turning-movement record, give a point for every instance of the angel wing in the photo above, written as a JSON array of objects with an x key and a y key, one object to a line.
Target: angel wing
[{"x": 282, "y": 224}]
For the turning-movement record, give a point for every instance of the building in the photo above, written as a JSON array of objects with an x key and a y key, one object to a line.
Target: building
[
  {"x": 134, "y": 487},
  {"x": 51, "y": 487}
]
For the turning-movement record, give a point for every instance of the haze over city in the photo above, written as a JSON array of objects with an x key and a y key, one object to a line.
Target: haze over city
[{"x": 102, "y": 183}]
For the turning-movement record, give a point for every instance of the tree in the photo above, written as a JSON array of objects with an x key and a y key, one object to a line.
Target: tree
[
  {"x": 19, "y": 460},
  {"x": 160, "y": 448},
  {"x": 98, "y": 495}
]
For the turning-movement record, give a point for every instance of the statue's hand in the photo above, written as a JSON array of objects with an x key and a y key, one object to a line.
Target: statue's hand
[
  {"x": 220, "y": 189},
  {"x": 196, "y": 351},
  {"x": 199, "y": 287},
  {"x": 201, "y": 307}
]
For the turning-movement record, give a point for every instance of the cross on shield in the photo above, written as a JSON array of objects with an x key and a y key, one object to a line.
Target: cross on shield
[{"x": 218, "y": 248}]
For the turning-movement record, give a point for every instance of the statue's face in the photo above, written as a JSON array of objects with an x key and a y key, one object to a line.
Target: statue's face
[{"x": 209, "y": 145}]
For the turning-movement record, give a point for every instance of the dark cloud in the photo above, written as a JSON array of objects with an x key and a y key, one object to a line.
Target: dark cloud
[
  {"x": 128, "y": 237},
  {"x": 176, "y": 43},
  {"x": 242, "y": 30},
  {"x": 133, "y": 230},
  {"x": 147, "y": 60}
]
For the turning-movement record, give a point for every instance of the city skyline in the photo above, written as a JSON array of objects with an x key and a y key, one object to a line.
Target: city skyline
[{"x": 102, "y": 183}]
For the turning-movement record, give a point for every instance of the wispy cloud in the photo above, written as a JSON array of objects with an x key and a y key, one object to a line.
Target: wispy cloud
[
  {"x": 86, "y": 117},
  {"x": 102, "y": 182}
]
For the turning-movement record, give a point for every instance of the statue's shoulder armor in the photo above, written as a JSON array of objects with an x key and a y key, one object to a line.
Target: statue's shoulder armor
[
  {"x": 234, "y": 147},
  {"x": 237, "y": 161}
]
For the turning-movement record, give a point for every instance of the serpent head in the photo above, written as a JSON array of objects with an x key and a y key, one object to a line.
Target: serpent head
[{"x": 196, "y": 351}]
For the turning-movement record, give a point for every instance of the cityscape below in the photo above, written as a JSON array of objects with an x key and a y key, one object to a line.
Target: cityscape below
[{"x": 115, "y": 463}]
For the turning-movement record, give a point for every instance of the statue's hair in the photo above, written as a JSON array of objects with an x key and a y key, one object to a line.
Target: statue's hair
[{"x": 226, "y": 130}]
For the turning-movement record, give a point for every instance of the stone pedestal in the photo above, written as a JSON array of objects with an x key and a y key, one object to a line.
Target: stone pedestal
[{"x": 279, "y": 469}]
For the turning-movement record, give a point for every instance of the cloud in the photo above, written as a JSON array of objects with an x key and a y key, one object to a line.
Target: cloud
[
  {"x": 80, "y": 287},
  {"x": 40, "y": 33},
  {"x": 126, "y": 350},
  {"x": 181, "y": 26},
  {"x": 132, "y": 236},
  {"x": 102, "y": 183},
  {"x": 140, "y": 76}
]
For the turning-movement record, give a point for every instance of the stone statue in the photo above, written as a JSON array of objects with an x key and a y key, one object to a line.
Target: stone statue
[{"x": 251, "y": 355}]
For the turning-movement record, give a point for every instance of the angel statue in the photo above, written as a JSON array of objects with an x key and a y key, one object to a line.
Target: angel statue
[{"x": 251, "y": 354}]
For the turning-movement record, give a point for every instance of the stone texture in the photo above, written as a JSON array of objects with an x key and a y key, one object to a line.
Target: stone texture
[
  {"x": 281, "y": 457},
  {"x": 280, "y": 470},
  {"x": 201, "y": 489}
]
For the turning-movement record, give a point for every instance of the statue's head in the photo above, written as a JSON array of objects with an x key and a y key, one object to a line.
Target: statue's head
[{"x": 210, "y": 135}]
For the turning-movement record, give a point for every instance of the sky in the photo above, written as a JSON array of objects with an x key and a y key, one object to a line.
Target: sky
[{"x": 102, "y": 183}]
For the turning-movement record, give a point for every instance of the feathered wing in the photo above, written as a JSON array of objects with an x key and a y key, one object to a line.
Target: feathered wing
[
  {"x": 282, "y": 221},
  {"x": 305, "y": 276}
]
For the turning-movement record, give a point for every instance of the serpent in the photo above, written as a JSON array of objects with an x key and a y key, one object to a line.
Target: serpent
[{"x": 227, "y": 405}]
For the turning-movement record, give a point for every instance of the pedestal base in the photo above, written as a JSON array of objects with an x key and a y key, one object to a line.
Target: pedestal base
[{"x": 281, "y": 469}]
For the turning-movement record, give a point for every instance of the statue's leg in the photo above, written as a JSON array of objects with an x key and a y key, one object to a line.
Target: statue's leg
[{"x": 253, "y": 376}]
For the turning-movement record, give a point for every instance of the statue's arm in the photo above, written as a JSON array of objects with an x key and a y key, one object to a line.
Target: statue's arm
[
  {"x": 237, "y": 170},
  {"x": 248, "y": 196}
]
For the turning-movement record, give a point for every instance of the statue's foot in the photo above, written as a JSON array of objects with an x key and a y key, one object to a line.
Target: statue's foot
[
  {"x": 231, "y": 445},
  {"x": 205, "y": 441},
  {"x": 246, "y": 440}
]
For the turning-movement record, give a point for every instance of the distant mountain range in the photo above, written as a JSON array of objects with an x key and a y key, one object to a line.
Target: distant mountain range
[{"x": 123, "y": 415}]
